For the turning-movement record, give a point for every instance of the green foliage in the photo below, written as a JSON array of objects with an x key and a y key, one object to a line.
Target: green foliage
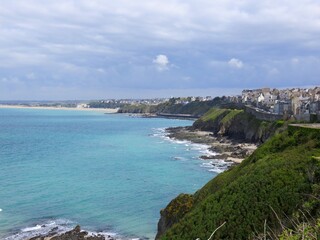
[
  {"x": 138, "y": 108},
  {"x": 214, "y": 113},
  {"x": 173, "y": 106},
  {"x": 305, "y": 230},
  {"x": 230, "y": 116},
  {"x": 280, "y": 123},
  {"x": 102, "y": 104},
  {"x": 281, "y": 177},
  {"x": 304, "y": 130},
  {"x": 314, "y": 118},
  {"x": 237, "y": 124},
  {"x": 178, "y": 207}
]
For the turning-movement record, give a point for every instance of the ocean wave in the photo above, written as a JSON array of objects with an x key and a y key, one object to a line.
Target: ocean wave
[
  {"x": 59, "y": 226},
  {"x": 179, "y": 158},
  {"x": 216, "y": 165},
  {"x": 159, "y": 132}
]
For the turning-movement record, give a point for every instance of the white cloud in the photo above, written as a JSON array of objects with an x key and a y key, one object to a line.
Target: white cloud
[
  {"x": 101, "y": 70},
  {"x": 235, "y": 63},
  {"x": 4, "y": 80},
  {"x": 31, "y": 76},
  {"x": 274, "y": 71},
  {"x": 162, "y": 62},
  {"x": 11, "y": 80},
  {"x": 73, "y": 39}
]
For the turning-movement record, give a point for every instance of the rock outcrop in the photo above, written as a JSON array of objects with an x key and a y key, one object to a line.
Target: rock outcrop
[
  {"x": 236, "y": 124},
  {"x": 175, "y": 210},
  {"x": 74, "y": 234}
]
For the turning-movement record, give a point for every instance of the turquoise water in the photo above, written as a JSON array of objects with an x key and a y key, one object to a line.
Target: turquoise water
[{"x": 109, "y": 173}]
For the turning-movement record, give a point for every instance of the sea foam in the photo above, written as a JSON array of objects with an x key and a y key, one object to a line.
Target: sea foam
[
  {"x": 215, "y": 165},
  {"x": 95, "y": 169},
  {"x": 58, "y": 226}
]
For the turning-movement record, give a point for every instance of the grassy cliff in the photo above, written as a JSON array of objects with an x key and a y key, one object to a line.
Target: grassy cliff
[
  {"x": 275, "y": 190},
  {"x": 195, "y": 108},
  {"x": 236, "y": 124}
]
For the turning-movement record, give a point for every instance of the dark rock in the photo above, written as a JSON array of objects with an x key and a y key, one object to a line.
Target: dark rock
[
  {"x": 74, "y": 234},
  {"x": 176, "y": 209},
  {"x": 240, "y": 153},
  {"x": 207, "y": 157},
  {"x": 37, "y": 238},
  {"x": 243, "y": 126}
]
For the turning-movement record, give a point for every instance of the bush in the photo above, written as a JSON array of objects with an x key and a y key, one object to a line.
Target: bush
[{"x": 272, "y": 185}]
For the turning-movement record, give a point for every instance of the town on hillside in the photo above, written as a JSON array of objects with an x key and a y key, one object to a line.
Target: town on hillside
[{"x": 300, "y": 103}]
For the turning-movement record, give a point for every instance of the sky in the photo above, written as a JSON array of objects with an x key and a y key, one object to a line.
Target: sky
[{"x": 100, "y": 49}]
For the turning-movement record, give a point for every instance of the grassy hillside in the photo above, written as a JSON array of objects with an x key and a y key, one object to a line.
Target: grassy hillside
[
  {"x": 274, "y": 190},
  {"x": 236, "y": 124},
  {"x": 195, "y": 108}
]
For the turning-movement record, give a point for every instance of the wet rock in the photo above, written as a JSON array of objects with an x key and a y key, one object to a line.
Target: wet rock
[
  {"x": 74, "y": 234},
  {"x": 207, "y": 157}
]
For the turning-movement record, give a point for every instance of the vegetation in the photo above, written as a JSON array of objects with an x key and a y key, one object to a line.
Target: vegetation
[
  {"x": 230, "y": 116},
  {"x": 237, "y": 124},
  {"x": 305, "y": 230},
  {"x": 137, "y": 108},
  {"x": 214, "y": 113},
  {"x": 105, "y": 104},
  {"x": 178, "y": 106},
  {"x": 274, "y": 194}
]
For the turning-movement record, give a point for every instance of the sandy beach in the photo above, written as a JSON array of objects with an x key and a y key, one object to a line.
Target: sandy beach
[{"x": 102, "y": 110}]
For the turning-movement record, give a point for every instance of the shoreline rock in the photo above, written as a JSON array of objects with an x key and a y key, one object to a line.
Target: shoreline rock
[
  {"x": 74, "y": 234},
  {"x": 228, "y": 149}
]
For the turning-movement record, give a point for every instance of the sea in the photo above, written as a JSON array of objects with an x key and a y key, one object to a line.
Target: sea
[{"x": 109, "y": 173}]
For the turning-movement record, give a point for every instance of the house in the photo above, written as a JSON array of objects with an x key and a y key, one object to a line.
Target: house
[
  {"x": 261, "y": 98},
  {"x": 301, "y": 105},
  {"x": 315, "y": 107},
  {"x": 283, "y": 107},
  {"x": 269, "y": 99}
]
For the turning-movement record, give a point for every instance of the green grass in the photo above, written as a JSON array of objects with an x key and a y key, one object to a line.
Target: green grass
[
  {"x": 275, "y": 184},
  {"x": 230, "y": 116},
  {"x": 237, "y": 124},
  {"x": 213, "y": 113}
]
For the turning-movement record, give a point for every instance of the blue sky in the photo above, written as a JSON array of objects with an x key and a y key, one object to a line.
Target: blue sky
[{"x": 91, "y": 49}]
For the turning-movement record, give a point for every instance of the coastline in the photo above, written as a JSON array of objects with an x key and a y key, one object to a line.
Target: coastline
[
  {"x": 186, "y": 133},
  {"x": 228, "y": 150},
  {"x": 75, "y": 233},
  {"x": 103, "y": 110},
  {"x": 43, "y": 229}
]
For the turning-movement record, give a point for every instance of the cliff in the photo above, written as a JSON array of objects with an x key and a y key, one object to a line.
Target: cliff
[
  {"x": 175, "y": 210},
  {"x": 195, "y": 108},
  {"x": 274, "y": 191},
  {"x": 236, "y": 124}
]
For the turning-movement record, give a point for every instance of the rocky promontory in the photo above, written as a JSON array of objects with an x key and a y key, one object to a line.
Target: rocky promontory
[
  {"x": 273, "y": 193},
  {"x": 74, "y": 234},
  {"x": 225, "y": 148},
  {"x": 236, "y": 125}
]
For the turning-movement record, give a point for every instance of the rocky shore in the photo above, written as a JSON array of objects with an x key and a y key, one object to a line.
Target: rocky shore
[
  {"x": 227, "y": 149},
  {"x": 74, "y": 234}
]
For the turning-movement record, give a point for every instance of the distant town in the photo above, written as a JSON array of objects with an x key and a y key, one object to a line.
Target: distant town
[{"x": 301, "y": 104}]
